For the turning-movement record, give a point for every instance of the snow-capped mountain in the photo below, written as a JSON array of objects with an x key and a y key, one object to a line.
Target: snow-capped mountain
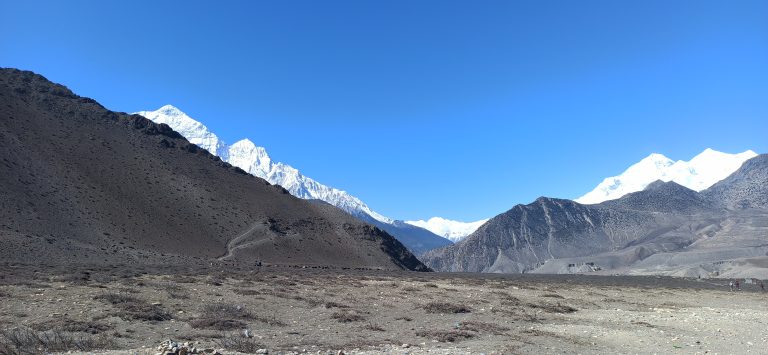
[
  {"x": 255, "y": 160},
  {"x": 701, "y": 172},
  {"x": 195, "y": 132},
  {"x": 453, "y": 230}
]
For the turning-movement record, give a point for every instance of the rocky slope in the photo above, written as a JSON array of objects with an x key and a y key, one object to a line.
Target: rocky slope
[
  {"x": 746, "y": 188},
  {"x": 82, "y": 184},
  {"x": 664, "y": 229},
  {"x": 255, "y": 160}
]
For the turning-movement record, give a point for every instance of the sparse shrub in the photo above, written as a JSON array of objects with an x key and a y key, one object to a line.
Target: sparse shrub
[
  {"x": 239, "y": 343},
  {"x": 116, "y": 298},
  {"x": 71, "y": 325},
  {"x": 24, "y": 341},
  {"x": 246, "y": 292},
  {"x": 374, "y": 327},
  {"x": 483, "y": 327},
  {"x": 331, "y": 304},
  {"x": 430, "y": 285},
  {"x": 553, "y": 308},
  {"x": 444, "y": 307},
  {"x": 552, "y": 295},
  {"x": 183, "y": 279},
  {"x": 133, "y": 308},
  {"x": 226, "y": 316},
  {"x": 446, "y": 336},
  {"x": 217, "y": 324},
  {"x": 347, "y": 316},
  {"x": 226, "y": 310},
  {"x": 215, "y": 280}
]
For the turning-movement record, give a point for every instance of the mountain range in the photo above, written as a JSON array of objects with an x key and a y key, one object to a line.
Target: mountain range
[
  {"x": 666, "y": 229},
  {"x": 82, "y": 184},
  {"x": 701, "y": 172},
  {"x": 85, "y": 185},
  {"x": 255, "y": 160},
  {"x": 449, "y": 229}
]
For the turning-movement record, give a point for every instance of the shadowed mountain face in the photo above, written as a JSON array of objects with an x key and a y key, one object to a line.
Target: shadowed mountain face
[
  {"x": 82, "y": 184},
  {"x": 665, "y": 229},
  {"x": 659, "y": 196},
  {"x": 746, "y": 188}
]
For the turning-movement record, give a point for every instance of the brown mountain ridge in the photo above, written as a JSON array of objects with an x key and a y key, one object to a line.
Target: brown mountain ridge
[{"x": 82, "y": 184}]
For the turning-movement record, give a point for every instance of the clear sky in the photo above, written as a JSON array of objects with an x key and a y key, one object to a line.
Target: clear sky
[{"x": 459, "y": 109}]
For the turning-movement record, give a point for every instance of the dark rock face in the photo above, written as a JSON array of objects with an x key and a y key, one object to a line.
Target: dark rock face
[
  {"x": 745, "y": 189},
  {"x": 666, "y": 227},
  {"x": 81, "y": 184},
  {"x": 659, "y": 196}
]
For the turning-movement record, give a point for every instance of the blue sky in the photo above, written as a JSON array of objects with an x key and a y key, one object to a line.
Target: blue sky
[{"x": 459, "y": 109}]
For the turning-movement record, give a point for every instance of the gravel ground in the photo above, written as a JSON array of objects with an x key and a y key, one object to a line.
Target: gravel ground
[{"x": 118, "y": 311}]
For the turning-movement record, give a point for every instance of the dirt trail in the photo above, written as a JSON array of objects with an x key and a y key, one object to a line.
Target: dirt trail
[{"x": 234, "y": 245}]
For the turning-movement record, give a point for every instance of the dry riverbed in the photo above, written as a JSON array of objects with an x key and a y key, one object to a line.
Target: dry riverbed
[{"x": 292, "y": 310}]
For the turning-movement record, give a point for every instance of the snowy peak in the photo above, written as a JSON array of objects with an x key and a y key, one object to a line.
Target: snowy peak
[
  {"x": 701, "y": 172},
  {"x": 194, "y": 131},
  {"x": 254, "y": 159},
  {"x": 251, "y": 158},
  {"x": 452, "y": 230}
]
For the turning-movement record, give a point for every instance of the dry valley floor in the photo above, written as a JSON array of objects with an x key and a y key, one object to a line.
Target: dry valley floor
[{"x": 291, "y": 310}]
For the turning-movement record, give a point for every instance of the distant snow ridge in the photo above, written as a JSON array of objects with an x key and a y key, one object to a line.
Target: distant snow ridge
[
  {"x": 452, "y": 230},
  {"x": 195, "y": 132},
  {"x": 255, "y": 160},
  {"x": 701, "y": 172}
]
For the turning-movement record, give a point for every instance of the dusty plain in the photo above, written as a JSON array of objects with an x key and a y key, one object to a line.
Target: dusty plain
[{"x": 286, "y": 310}]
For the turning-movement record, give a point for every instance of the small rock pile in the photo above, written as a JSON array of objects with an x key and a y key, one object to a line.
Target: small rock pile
[{"x": 170, "y": 347}]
